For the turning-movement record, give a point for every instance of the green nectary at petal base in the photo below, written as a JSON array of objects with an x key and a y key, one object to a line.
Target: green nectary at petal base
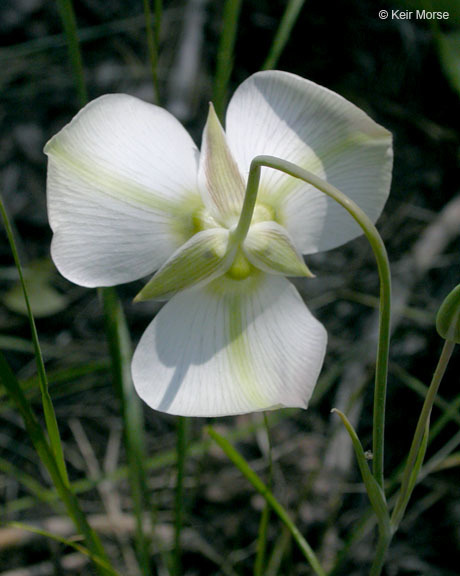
[
  {"x": 267, "y": 246},
  {"x": 241, "y": 268}
]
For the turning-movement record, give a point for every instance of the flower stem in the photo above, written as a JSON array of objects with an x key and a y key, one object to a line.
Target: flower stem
[
  {"x": 52, "y": 427},
  {"x": 118, "y": 338},
  {"x": 265, "y": 518},
  {"x": 380, "y": 554},
  {"x": 414, "y": 460},
  {"x": 119, "y": 343},
  {"x": 407, "y": 483},
  {"x": 283, "y": 33},
  {"x": 381, "y": 257},
  {"x": 48, "y": 448},
  {"x": 70, "y": 27},
  {"x": 252, "y": 187},
  {"x": 153, "y": 37},
  {"x": 179, "y": 504},
  {"x": 225, "y": 54}
]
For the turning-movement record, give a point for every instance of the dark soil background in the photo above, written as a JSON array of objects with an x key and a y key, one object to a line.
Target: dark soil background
[{"x": 391, "y": 69}]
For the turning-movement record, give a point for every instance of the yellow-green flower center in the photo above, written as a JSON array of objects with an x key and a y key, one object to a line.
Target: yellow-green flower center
[
  {"x": 262, "y": 213},
  {"x": 241, "y": 267}
]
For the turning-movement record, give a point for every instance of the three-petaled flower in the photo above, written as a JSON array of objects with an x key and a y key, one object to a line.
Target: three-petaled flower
[{"x": 129, "y": 193}]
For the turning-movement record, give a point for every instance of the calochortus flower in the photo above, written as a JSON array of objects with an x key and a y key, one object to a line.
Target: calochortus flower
[{"x": 129, "y": 193}]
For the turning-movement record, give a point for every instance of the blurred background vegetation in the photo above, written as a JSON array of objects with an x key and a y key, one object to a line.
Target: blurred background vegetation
[{"x": 406, "y": 75}]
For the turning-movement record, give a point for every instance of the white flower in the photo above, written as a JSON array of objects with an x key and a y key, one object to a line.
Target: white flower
[{"x": 129, "y": 193}]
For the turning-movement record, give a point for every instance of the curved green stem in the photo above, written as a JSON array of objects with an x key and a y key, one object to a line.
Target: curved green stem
[
  {"x": 252, "y": 187},
  {"x": 381, "y": 257}
]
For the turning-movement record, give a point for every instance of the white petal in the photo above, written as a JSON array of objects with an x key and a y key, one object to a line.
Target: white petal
[
  {"x": 121, "y": 182},
  {"x": 222, "y": 187},
  {"x": 217, "y": 352},
  {"x": 283, "y": 115}
]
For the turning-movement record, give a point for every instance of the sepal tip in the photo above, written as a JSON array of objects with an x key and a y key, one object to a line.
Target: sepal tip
[{"x": 448, "y": 317}]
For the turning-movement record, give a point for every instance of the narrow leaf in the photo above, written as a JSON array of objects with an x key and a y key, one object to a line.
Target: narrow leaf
[
  {"x": 374, "y": 492},
  {"x": 69, "y": 22},
  {"x": 70, "y": 543},
  {"x": 283, "y": 33},
  {"x": 132, "y": 416},
  {"x": 38, "y": 438},
  {"x": 181, "y": 450},
  {"x": 420, "y": 458},
  {"x": 153, "y": 42},
  {"x": 225, "y": 53},
  {"x": 254, "y": 479},
  {"x": 48, "y": 409},
  {"x": 259, "y": 565}
]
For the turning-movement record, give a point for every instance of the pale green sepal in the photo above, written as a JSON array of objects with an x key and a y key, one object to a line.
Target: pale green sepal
[
  {"x": 269, "y": 247},
  {"x": 448, "y": 317},
  {"x": 374, "y": 491},
  {"x": 220, "y": 181},
  {"x": 201, "y": 259}
]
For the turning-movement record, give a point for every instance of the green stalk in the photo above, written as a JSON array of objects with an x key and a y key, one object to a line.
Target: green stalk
[
  {"x": 179, "y": 500},
  {"x": 153, "y": 41},
  {"x": 381, "y": 257},
  {"x": 51, "y": 454},
  {"x": 158, "y": 8},
  {"x": 265, "y": 518},
  {"x": 380, "y": 554},
  {"x": 48, "y": 409},
  {"x": 450, "y": 410},
  {"x": 118, "y": 340},
  {"x": 48, "y": 459},
  {"x": 414, "y": 460},
  {"x": 26, "y": 480},
  {"x": 407, "y": 483},
  {"x": 283, "y": 33},
  {"x": 70, "y": 28},
  {"x": 159, "y": 462},
  {"x": 374, "y": 491},
  {"x": 254, "y": 479},
  {"x": 67, "y": 542},
  {"x": 225, "y": 54},
  {"x": 132, "y": 416}
]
